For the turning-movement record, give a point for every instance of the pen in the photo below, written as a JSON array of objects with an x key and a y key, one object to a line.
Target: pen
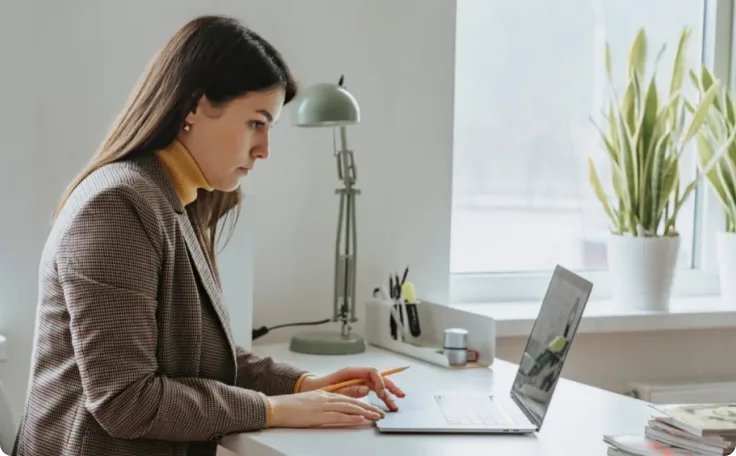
[
  {"x": 399, "y": 321},
  {"x": 402, "y": 303},
  {"x": 358, "y": 381}
]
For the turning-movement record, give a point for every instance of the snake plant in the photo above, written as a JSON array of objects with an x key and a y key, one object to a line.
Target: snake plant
[
  {"x": 718, "y": 132},
  {"x": 645, "y": 134}
]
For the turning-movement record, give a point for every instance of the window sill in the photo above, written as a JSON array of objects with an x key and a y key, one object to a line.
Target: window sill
[{"x": 601, "y": 316}]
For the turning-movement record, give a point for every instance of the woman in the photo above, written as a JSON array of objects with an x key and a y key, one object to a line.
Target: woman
[{"x": 133, "y": 352}]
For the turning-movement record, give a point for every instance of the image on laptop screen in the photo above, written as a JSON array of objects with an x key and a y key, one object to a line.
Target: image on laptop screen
[{"x": 549, "y": 342}]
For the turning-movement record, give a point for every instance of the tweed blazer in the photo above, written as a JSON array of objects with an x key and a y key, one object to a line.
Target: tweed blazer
[{"x": 133, "y": 353}]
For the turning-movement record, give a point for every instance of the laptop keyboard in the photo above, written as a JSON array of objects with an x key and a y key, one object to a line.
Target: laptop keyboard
[{"x": 459, "y": 411}]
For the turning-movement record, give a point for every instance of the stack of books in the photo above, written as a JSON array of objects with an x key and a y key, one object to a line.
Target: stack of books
[{"x": 681, "y": 430}]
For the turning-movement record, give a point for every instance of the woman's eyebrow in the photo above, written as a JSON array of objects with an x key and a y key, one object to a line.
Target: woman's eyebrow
[{"x": 266, "y": 114}]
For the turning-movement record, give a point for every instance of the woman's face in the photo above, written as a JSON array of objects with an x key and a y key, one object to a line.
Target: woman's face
[{"x": 226, "y": 141}]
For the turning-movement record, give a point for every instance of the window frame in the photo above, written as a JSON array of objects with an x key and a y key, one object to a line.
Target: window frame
[{"x": 702, "y": 279}]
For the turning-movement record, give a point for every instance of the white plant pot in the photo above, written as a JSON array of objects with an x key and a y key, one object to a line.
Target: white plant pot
[
  {"x": 642, "y": 271},
  {"x": 726, "y": 244}
]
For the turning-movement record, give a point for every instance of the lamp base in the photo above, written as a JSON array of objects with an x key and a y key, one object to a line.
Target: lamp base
[{"x": 327, "y": 343}]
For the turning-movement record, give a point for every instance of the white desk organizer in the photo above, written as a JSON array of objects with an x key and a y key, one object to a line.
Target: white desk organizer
[{"x": 433, "y": 320}]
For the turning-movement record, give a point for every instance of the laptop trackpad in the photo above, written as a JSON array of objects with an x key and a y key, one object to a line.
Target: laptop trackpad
[
  {"x": 409, "y": 403},
  {"x": 416, "y": 411}
]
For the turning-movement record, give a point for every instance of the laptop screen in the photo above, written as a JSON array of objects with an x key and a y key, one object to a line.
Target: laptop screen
[{"x": 549, "y": 342}]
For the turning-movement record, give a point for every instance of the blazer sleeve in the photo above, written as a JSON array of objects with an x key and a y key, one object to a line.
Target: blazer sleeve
[
  {"x": 265, "y": 375},
  {"x": 108, "y": 265}
]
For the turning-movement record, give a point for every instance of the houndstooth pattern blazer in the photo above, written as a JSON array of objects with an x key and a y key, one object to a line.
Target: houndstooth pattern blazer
[{"x": 133, "y": 353}]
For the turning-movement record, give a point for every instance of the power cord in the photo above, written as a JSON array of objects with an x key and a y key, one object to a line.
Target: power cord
[{"x": 263, "y": 330}]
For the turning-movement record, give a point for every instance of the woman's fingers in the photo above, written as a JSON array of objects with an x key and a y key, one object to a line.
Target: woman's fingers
[
  {"x": 379, "y": 386},
  {"x": 357, "y": 405},
  {"x": 359, "y": 391},
  {"x": 353, "y": 409},
  {"x": 332, "y": 418},
  {"x": 395, "y": 390},
  {"x": 386, "y": 394},
  {"x": 355, "y": 391},
  {"x": 390, "y": 403}
]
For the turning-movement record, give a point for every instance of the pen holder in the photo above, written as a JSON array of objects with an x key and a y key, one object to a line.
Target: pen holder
[
  {"x": 404, "y": 322},
  {"x": 421, "y": 335}
]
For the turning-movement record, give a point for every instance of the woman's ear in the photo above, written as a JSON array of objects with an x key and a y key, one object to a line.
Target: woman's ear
[
  {"x": 195, "y": 112},
  {"x": 205, "y": 108}
]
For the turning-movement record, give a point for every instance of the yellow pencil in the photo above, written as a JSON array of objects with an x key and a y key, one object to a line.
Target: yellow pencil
[{"x": 358, "y": 381}]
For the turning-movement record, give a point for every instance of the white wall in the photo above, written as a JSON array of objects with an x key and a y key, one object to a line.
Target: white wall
[
  {"x": 66, "y": 69},
  {"x": 22, "y": 224}
]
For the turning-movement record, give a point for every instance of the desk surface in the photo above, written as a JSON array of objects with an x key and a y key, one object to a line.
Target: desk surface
[{"x": 578, "y": 417}]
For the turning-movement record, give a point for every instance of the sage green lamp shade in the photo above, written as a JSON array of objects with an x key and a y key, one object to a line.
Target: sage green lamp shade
[{"x": 326, "y": 105}]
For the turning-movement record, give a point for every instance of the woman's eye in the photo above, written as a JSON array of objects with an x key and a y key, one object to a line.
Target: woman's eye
[{"x": 257, "y": 124}]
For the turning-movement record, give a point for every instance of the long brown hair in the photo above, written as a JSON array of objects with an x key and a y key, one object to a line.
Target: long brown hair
[{"x": 215, "y": 56}]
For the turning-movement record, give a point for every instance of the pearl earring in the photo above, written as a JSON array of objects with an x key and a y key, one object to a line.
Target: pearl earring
[{"x": 187, "y": 127}]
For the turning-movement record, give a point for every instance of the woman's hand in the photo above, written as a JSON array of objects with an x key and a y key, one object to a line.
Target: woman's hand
[
  {"x": 320, "y": 408},
  {"x": 372, "y": 380}
]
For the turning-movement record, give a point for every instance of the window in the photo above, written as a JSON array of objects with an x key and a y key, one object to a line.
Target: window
[{"x": 529, "y": 77}]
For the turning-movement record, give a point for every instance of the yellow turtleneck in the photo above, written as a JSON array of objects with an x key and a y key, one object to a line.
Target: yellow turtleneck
[{"x": 183, "y": 171}]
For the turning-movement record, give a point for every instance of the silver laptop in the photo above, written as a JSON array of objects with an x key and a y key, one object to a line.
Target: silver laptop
[{"x": 521, "y": 410}]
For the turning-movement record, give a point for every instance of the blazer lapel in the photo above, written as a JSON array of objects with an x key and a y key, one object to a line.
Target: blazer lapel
[
  {"x": 154, "y": 168},
  {"x": 206, "y": 276}
]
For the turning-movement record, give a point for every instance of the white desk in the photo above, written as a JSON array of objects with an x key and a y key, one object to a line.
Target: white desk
[{"x": 575, "y": 424}]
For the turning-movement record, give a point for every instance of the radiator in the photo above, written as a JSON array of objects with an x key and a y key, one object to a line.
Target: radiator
[{"x": 684, "y": 393}]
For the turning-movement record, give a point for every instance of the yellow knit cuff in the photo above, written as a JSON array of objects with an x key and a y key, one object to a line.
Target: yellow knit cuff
[
  {"x": 269, "y": 410},
  {"x": 299, "y": 381}
]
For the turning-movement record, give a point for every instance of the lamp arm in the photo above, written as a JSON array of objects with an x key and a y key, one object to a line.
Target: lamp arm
[
  {"x": 354, "y": 260},
  {"x": 346, "y": 239},
  {"x": 337, "y": 314},
  {"x": 347, "y": 171}
]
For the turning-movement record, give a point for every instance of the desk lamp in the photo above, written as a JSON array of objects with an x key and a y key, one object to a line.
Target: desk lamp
[{"x": 331, "y": 105}]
